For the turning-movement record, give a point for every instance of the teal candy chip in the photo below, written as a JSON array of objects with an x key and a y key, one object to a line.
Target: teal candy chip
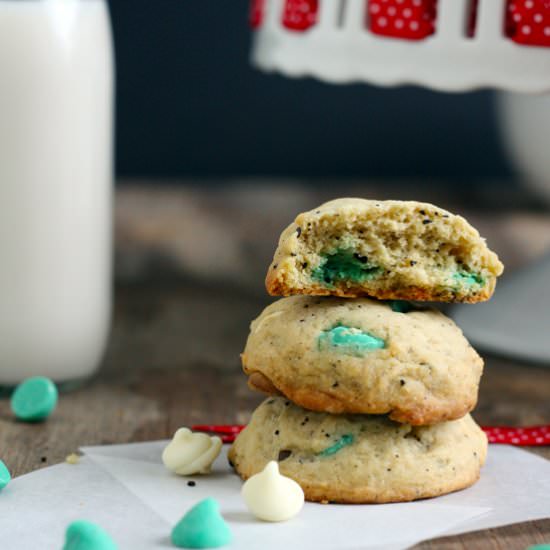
[
  {"x": 344, "y": 441},
  {"x": 468, "y": 279},
  {"x": 34, "y": 399},
  {"x": 5, "y": 476},
  {"x": 400, "y": 306},
  {"x": 345, "y": 265},
  {"x": 349, "y": 341},
  {"x": 202, "y": 527},
  {"x": 85, "y": 535}
]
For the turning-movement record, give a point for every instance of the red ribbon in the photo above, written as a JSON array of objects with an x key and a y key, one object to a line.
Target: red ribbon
[
  {"x": 507, "y": 435},
  {"x": 529, "y": 436},
  {"x": 227, "y": 432}
]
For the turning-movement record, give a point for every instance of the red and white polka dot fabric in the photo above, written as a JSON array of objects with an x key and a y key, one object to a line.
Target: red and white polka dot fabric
[
  {"x": 256, "y": 13},
  {"x": 528, "y": 22},
  {"x": 300, "y": 15},
  {"x": 406, "y": 19},
  {"x": 533, "y": 436}
]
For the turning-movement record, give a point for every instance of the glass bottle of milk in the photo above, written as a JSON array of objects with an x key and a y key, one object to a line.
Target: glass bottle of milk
[{"x": 56, "y": 89}]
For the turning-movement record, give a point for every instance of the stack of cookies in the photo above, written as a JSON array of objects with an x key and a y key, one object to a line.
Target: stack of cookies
[{"x": 369, "y": 393}]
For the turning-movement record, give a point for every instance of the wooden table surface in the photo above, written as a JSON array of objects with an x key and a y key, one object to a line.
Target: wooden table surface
[{"x": 173, "y": 356}]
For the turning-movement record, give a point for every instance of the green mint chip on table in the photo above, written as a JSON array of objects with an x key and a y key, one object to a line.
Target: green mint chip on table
[
  {"x": 202, "y": 527},
  {"x": 85, "y": 535},
  {"x": 5, "y": 476},
  {"x": 34, "y": 399}
]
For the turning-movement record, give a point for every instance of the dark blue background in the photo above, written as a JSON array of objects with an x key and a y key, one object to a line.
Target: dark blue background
[{"x": 190, "y": 105}]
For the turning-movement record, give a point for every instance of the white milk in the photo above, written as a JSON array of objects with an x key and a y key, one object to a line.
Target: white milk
[{"x": 55, "y": 187}]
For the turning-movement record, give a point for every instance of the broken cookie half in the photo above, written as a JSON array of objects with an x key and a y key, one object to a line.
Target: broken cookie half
[{"x": 384, "y": 249}]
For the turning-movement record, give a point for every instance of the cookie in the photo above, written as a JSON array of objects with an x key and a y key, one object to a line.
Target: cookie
[
  {"x": 363, "y": 356},
  {"x": 360, "y": 458},
  {"x": 384, "y": 249}
]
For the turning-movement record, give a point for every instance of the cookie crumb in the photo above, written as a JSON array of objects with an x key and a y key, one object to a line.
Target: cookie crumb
[{"x": 73, "y": 458}]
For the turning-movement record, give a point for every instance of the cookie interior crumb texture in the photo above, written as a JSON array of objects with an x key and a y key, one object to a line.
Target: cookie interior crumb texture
[
  {"x": 384, "y": 249},
  {"x": 362, "y": 356},
  {"x": 360, "y": 458}
]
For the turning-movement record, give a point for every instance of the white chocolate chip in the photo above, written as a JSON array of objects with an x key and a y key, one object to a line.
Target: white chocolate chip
[
  {"x": 191, "y": 453},
  {"x": 271, "y": 496}
]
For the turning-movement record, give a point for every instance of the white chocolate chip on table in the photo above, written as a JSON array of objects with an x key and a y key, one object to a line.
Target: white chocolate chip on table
[
  {"x": 191, "y": 453},
  {"x": 271, "y": 496}
]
